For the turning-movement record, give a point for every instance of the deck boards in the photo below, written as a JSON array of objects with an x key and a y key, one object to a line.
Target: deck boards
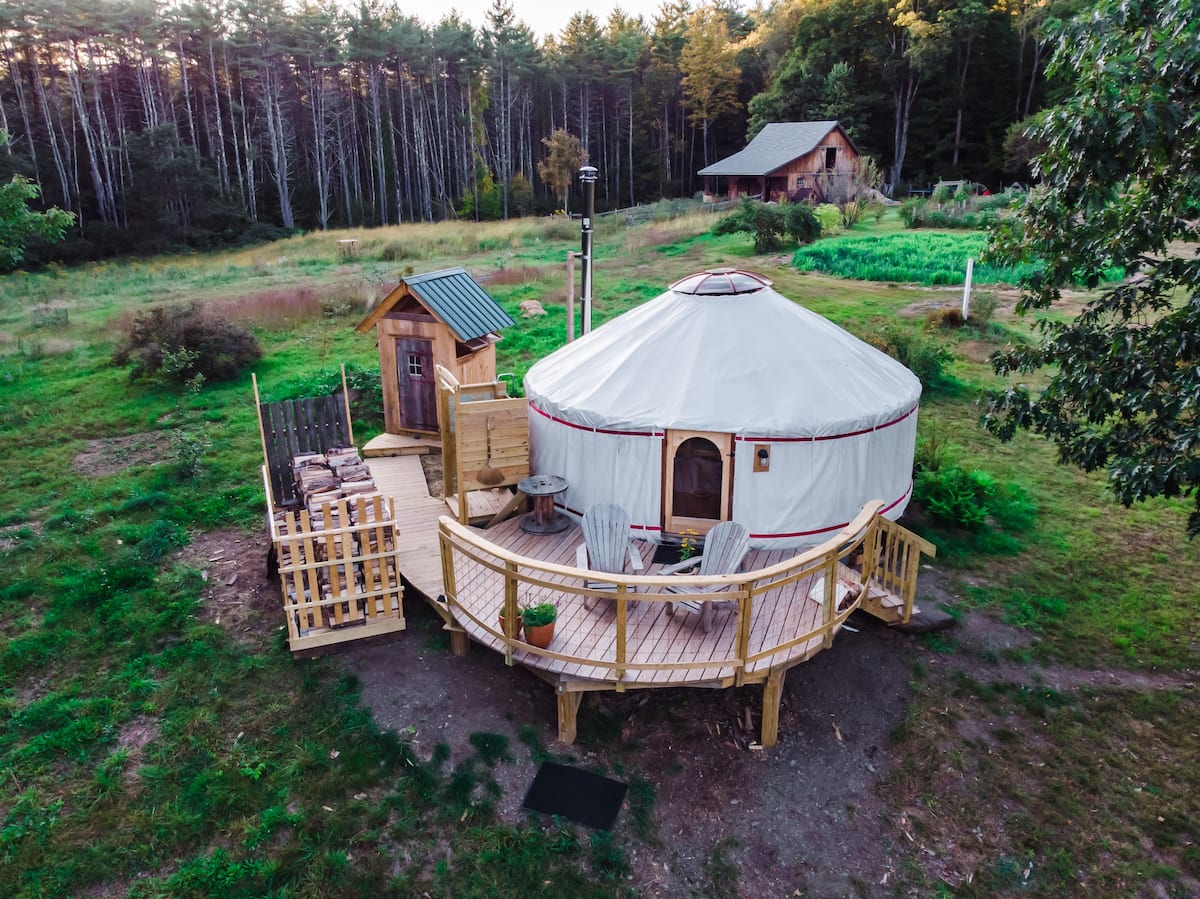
[
  {"x": 653, "y": 635},
  {"x": 416, "y": 516}
]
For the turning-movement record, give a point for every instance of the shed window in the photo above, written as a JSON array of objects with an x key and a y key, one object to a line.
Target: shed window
[
  {"x": 799, "y": 181},
  {"x": 830, "y": 157},
  {"x": 414, "y": 365}
]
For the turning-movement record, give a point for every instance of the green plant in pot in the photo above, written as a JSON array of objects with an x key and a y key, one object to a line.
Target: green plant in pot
[
  {"x": 517, "y": 626},
  {"x": 539, "y": 623}
]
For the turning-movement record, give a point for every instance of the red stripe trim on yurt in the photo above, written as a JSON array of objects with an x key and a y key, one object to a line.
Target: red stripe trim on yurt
[
  {"x": 886, "y": 424},
  {"x": 832, "y": 527},
  {"x": 571, "y": 424}
]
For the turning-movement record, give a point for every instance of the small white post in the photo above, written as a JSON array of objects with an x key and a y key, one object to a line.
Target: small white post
[{"x": 966, "y": 306}]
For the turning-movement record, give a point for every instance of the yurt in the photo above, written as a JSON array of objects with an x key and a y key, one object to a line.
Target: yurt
[{"x": 722, "y": 399}]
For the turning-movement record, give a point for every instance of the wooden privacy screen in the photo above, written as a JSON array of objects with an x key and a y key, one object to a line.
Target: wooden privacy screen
[
  {"x": 466, "y": 411},
  {"x": 291, "y": 427},
  {"x": 495, "y": 430}
]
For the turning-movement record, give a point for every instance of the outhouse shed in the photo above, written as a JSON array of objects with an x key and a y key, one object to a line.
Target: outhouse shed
[{"x": 438, "y": 318}]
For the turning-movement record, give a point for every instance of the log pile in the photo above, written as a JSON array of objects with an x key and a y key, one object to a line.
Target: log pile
[{"x": 337, "y": 551}]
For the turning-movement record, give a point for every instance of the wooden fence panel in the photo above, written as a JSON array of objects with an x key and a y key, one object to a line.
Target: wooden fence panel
[{"x": 291, "y": 427}]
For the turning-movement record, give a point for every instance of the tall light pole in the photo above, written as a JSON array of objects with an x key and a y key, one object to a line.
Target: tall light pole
[{"x": 587, "y": 175}]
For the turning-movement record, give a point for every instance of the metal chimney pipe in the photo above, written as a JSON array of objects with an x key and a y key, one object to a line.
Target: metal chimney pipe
[{"x": 587, "y": 175}]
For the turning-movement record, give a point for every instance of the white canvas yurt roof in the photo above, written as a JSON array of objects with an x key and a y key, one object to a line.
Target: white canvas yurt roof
[
  {"x": 738, "y": 362},
  {"x": 723, "y": 353}
]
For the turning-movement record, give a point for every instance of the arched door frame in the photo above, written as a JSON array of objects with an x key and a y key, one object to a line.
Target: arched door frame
[{"x": 672, "y": 440}]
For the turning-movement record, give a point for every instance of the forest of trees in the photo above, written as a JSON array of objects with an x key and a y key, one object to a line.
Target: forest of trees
[{"x": 164, "y": 124}]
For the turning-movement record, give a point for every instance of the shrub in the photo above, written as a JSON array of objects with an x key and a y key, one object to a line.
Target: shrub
[
  {"x": 181, "y": 344},
  {"x": 363, "y": 382},
  {"x": 765, "y": 222},
  {"x": 830, "y": 217},
  {"x": 922, "y": 353},
  {"x": 801, "y": 222},
  {"x": 958, "y": 497},
  {"x": 972, "y": 499},
  {"x": 983, "y": 307},
  {"x": 945, "y": 317}
]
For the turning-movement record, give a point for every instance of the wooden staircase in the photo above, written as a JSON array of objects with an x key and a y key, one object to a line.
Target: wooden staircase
[{"x": 892, "y": 557}]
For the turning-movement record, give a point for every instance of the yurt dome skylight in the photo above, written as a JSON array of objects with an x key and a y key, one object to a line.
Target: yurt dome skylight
[{"x": 720, "y": 282}]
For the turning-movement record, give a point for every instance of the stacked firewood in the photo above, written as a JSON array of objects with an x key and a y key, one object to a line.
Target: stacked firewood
[
  {"x": 329, "y": 476},
  {"x": 337, "y": 490}
]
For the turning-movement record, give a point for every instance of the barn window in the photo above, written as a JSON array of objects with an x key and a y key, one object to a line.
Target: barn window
[
  {"x": 414, "y": 365},
  {"x": 830, "y": 157},
  {"x": 799, "y": 181}
]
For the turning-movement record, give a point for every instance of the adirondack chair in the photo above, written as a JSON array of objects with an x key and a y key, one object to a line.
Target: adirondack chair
[
  {"x": 724, "y": 549},
  {"x": 606, "y": 544}
]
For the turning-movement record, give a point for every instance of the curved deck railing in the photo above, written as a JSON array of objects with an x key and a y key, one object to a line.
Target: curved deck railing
[{"x": 859, "y": 551}]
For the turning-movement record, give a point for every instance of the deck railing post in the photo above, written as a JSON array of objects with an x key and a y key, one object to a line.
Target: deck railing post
[
  {"x": 745, "y": 609},
  {"x": 511, "y": 610},
  {"x": 829, "y": 610},
  {"x": 622, "y": 621}
]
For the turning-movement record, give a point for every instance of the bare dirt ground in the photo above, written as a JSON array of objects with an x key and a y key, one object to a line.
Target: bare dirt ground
[
  {"x": 237, "y": 594},
  {"x": 806, "y": 817},
  {"x": 113, "y": 454},
  {"x": 802, "y": 815}
]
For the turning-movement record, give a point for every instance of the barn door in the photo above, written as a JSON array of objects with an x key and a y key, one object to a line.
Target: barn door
[
  {"x": 418, "y": 385},
  {"x": 697, "y": 480}
]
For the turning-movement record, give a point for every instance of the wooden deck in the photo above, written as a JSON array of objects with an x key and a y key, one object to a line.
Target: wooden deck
[
  {"x": 654, "y": 636},
  {"x": 417, "y": 513},
  {"x": 400, "y": 445}
]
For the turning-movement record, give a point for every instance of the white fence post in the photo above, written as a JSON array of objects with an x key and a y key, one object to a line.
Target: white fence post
[{"x": 966, "y": 304}]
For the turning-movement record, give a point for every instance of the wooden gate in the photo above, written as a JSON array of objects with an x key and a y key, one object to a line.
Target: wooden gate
[{"x": 418, "y": 384}]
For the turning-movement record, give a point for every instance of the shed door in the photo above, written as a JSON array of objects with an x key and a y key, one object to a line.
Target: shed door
[
  {"x": 697, "y": 480},
  {"x": 418, "y": 385}
]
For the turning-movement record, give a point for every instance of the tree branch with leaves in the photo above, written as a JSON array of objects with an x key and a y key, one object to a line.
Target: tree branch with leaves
[{"x": 1121, "y": 175}]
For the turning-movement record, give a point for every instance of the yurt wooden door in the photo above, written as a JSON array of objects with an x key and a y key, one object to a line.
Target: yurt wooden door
[
  {"x": 418, "y": 385},
  {"x": 697, "y": 480}
]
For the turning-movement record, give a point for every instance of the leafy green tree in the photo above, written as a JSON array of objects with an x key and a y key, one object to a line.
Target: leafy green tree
[
  {"x": 1121, "y": 176},
  {"x": 564, "y": 156},
  {"x": 18, "y": 223},
  {"x": 710, "y": 70}
]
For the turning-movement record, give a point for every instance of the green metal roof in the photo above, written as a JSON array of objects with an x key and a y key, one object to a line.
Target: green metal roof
[
  {"x": 454, "y": 297},
  {"x": 773, "y": 148}
]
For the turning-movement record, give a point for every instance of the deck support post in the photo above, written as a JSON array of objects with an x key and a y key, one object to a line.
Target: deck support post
[
  {"x": 568, "y": 709},
  {"x": 772, "y": 695},
  {"x": 459, "y": 643}
]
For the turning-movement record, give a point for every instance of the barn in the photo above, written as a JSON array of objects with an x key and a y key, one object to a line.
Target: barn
[{"x": 793, "y": 161}]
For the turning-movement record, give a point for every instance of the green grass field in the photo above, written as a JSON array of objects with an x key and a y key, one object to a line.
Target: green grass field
[
  {"x": 138, "y": 736},
  {"x": 909, "y": 257}
]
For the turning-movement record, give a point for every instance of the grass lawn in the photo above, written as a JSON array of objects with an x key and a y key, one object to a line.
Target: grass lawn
[{"x": 149, "y": 751}]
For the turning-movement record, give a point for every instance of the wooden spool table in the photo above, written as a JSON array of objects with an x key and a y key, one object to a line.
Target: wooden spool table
[{"x": 544, "y": 519}]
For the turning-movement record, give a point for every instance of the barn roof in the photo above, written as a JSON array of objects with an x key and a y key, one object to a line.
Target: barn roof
[
  {"x": 774, "y": 147},
  {"x": 452, "y": 296}
]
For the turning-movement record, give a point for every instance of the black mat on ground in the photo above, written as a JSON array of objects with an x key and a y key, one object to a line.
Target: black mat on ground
[
  {"x": 666, "y": 554},
  {"x": 575, "y": 794}
]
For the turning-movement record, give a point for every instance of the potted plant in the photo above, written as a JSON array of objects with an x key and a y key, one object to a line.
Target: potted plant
[
  {"x": 539, "y": 623},
  {"x": 516, "y": 627}
]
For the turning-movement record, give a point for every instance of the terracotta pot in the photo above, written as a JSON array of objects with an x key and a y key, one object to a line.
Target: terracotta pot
[
  {"x": 516, "y": 630},
  {"x": 540, "y": 635}
]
